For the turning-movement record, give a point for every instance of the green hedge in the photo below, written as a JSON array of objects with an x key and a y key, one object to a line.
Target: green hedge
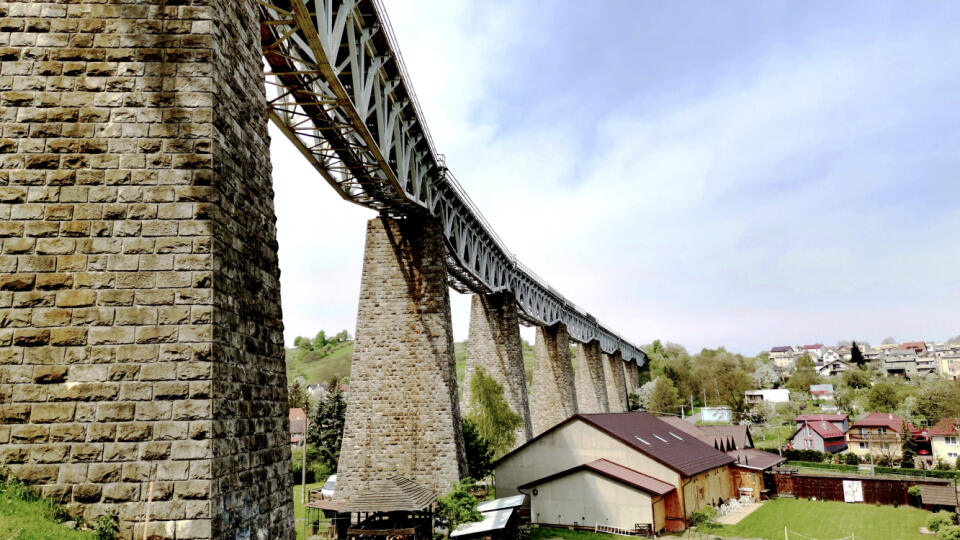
[{"x": 949, "y": 475}]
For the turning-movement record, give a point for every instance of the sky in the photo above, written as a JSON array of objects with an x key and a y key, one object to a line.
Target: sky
[{"x": 738, "y": 174}]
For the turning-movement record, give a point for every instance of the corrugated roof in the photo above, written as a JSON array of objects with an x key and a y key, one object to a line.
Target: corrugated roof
[
  {"x": 394, "y": 494},
  {"x": 720, "y": 437},
  {"x": 614, "y": 471},
  {"x": 888, "y": 420},
  {"x": 501, "y": 503},
  {"x": 751, "y": 458},
  {"x": 492, "y": 521},
  {"x": 650, "y": 435},
  {"x": 824, "y": 429},
  {"x": 938, "y": 495}
]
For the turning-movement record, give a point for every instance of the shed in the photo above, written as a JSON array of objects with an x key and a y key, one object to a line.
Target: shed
[{"x": 940, "y": 497}]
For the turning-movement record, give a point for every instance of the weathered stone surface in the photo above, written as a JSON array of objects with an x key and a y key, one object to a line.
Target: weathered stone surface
[
  {"x": 589, "y": 379},
  {"x": 140, "y": 322},
  {"x": 553, "y": 398},
  {"x": 631, "y": 375},
  {"x": 616, "y": 387},
  {"x": 403, "y": 416},
  {"x": 494, "y": 345}
]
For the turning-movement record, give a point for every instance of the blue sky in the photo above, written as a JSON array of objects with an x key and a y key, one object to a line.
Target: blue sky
[{"x": 744, "y": 174}]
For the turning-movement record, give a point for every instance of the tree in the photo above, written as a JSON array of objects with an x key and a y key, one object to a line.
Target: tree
[
  {"x": 938, "y": 399},
  {"x": 664, "y": 398},
  {"x": 320, "y": 340},
  {"x": 458, "y": 506},
  {"x": 489, "y": 410},
  {"x": 302, "y": 343},
  {"x": 856, "y": 378},
  {"x": 633, "y": 402},
  {"x": 804, "y": 376},
  {"x": 765, "y": 376},
  {"x": 297, "y": 397},
  {"x": 889, "y": 341},
  {"x": 882, "y": 397},
  {"x": 478, "y": 451},
  {"x": 856, "y": 356},
  {"x": 326, "y": 430},
  {"x": 909, "y": 446},
  {"x": 644, "y": 393}
]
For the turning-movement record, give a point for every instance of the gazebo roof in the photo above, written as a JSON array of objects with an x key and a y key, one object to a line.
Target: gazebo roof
[{"x": 394, "y": 494}]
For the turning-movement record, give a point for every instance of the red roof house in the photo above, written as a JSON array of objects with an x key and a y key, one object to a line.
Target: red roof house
[{"x": 819, "y": 435}]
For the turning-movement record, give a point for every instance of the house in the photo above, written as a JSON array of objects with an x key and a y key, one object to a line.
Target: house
[
  {"x": 840, "y": 421},
  {"x": 830, "y": 355},
  {"x": 899, "y": 363},
  {"x": 832, "y": 368},
  {"x": 783, "y": 357},
  {"x": 948, "y": 364},
  {"x": 877, "y": 433},
  {"x": 298, "y": 425},
  {"x": 577, "y": 472},
  {"x": 817, "y": 434},
  {"x": 815, "y": 351},
  {"x": 822, "y": 392},
  {"x": 773, "y": 395},
  {"x": 943, "y": 440},
  {"x": 918, "y": 347}
]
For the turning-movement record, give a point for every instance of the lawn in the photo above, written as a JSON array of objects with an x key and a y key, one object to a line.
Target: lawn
[
  {"x": 830, "y": 520},
  {"x": 298, "y": 510},
  {"x": 766, "y": 438},
  {"x": 20, "y": 519},
  {"x": 542, "y": 533},
  {"x": 315, "y": 368}
]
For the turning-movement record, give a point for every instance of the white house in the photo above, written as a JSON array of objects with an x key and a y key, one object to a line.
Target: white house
[{"x": 772, "y": 395}]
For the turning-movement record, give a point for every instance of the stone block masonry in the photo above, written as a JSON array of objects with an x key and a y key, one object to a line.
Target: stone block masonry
[
  {"x": 494, "y": 345},
  {"x": 554, "y": 398},
  {"x": 589, "y": 379},
  {"x": 140, "y": 323},
  {"x": 631, "y": 374},
  {"x": 616, "y": 386},
  {"x": 403, "y": 416}
]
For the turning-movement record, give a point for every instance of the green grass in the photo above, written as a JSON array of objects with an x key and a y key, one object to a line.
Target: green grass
[
  {"x": 828, "y": 520},
  {"x": 22, "y": 519},
  {"x": 315, "y": 367},
  {"x": 537, "y": 533},
  {"x": 298, "y": 510},
  {"x": 766, "y": 438}
]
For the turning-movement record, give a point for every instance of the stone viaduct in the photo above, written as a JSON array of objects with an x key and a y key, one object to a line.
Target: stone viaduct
[{"x": 141, "y": 346}]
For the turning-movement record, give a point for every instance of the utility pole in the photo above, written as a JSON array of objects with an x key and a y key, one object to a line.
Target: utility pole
[
  {"x": 779, "y": 446},
  {"x": 870, "y": 448},
  {"x": 303, "y": 466}
]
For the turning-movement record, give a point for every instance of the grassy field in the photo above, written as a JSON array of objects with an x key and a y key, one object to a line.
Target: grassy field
[
  {"x": 298, "y": 510},
  {"x": 830, "y": 520},
  {"x": 538, "y": 533},
  {"x": 34, "y": 520},
  {"x": 315, "y": 368},
  {"x": 766, "y": 438}
]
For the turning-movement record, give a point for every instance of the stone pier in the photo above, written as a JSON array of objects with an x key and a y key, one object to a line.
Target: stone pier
[
  {"x": 589, "y": 379},
  {"x": 494, "y": 345},
  {"x": 140, "y": 321},
  {"x": 616, "y": 386},
  {"x": 403, "y": 416},
  {"x": 631, "y": 374},
  {"x": 553, "y": 396}
]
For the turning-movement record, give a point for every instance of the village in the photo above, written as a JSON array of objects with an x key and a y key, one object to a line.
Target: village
[{"x": 712, "y": 470}]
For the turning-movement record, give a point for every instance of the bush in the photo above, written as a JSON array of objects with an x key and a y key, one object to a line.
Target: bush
[
  {"x": 704, "y": 517},
  {"x": 851, "y": 459},
  {"x": 951, "y": 532},
  {"x": 807, "y": 455},
  {"x": 940, "y": 520},
  {"x": 107, "y": 526}
]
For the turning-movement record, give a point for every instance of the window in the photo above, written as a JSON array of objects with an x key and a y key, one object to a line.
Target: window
[
  {"x": 863, "y": 446},
  {"x": 952, "y": 455},
  {"x": 861, "y": 431},
  {"x": 885, "y": 446},
  {"x": 951, "y": 440},
  {"x": 882, "y": 430}
]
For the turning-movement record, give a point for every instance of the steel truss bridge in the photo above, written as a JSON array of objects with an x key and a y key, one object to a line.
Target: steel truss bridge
[{"x": 338, "y": 89}]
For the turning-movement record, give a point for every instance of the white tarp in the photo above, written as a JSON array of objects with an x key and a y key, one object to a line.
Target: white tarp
[
  {"x": 492, "y": 521},
  {"x": 500, "y": 504},
  {"x": 852, "y": 491}
]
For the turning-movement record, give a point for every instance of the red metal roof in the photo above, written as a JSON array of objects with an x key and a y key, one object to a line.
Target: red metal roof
[
  {"x": 887, "y": 420},
  {"x": 827, "y": 417},
  {"x": 814, "y": 346},
  {"x": 614, "y": 471},
  {"x": 944, "y": 428},
  {"x": 823, "y": 428}
]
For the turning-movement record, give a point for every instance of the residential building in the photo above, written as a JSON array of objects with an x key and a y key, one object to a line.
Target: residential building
[
  {"x": 822, "y": 392},
  {"x": 772, "y": 395},
  {"x": 918, "y": 347},
  {"x": 943, "y": 440},
  {"x": 829, "y": 355},
  {"x": 926, "y": 365},
  {"x": 611, "y": 455},
  {"x": 840, "y": 421},
  {"x": 298, "y": 425},
  {"x": 819, "y": 435},
  {"x": 948, "y": 364},
  {"x": 832, "y": 368},
  {"x": 783, "y": 357},
  {"x": 899, "y": 363},
  {"x": 721, "y": 415},
  {"x": 879, "y": 433},
  {"x": 815, "y": 351}
]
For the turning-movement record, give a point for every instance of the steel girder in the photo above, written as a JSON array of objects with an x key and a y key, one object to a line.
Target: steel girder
[{"x": 338, "y": 89}]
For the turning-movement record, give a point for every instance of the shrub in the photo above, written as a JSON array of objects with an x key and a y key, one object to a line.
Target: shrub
[
  {"x": 851, "y": 459},
  {"x": 939, "y": 520},
  {"x": 704, "y": 517},
  {"x": 807, "y": 455},
  {"x": 951, "y": 532},
  {"x": 458, "y": 506},
  {"x": 107, "y": 526}
]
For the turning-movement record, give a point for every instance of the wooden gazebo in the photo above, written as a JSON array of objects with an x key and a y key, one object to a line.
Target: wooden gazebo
[{"x": 395, "y": 507}]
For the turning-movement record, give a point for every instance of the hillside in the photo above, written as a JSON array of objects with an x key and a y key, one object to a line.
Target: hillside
[{"x": 317, "y": 366}]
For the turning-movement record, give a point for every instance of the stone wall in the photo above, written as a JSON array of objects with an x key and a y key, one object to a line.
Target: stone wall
[
  {"x": 631, "y": 374},
  {"x": 403, "y": 416},
  {"x": 616, "y": 386},
  {"x": 494, "y": 345},
  {"x": 589, "y": 379},
  {"x": 553, "y": 398},
  {"x": 140, "y": 323}
]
